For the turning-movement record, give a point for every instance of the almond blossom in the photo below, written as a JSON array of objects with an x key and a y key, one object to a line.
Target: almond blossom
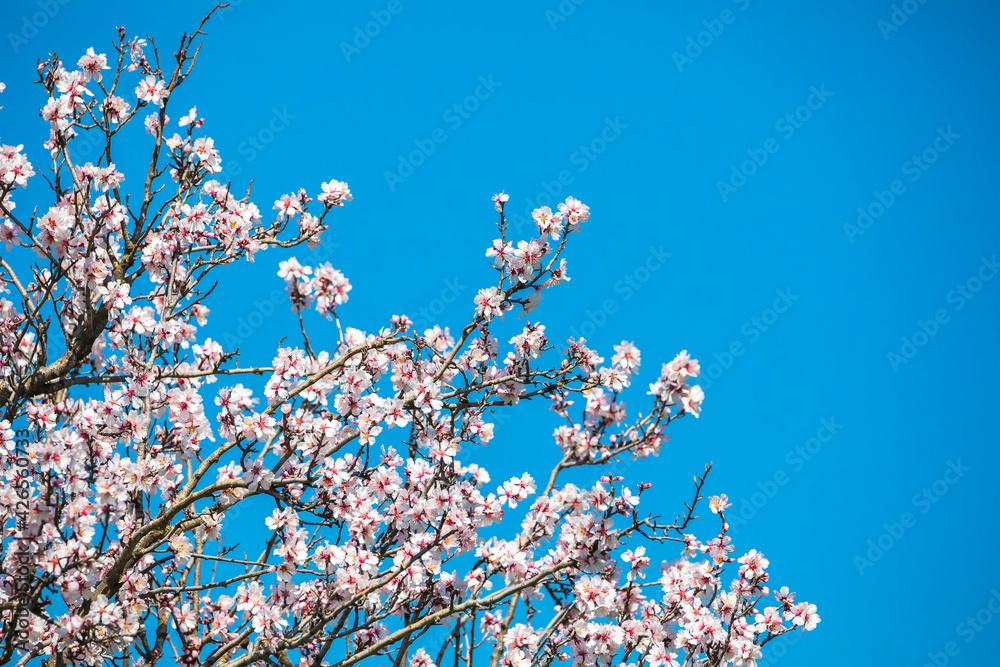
[{"x": 166, "y": 496}]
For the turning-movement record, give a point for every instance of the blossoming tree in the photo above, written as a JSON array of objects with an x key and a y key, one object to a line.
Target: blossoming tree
[{"x": 128, "y": 438}]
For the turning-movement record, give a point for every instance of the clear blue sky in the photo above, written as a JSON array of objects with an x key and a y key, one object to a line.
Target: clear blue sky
[{"x": 833, "y": 110}]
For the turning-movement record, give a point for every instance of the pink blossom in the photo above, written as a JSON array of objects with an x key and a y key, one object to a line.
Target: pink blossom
[
  {"x": 136, "y": 441},
  {"x": 334, "y": 194}
]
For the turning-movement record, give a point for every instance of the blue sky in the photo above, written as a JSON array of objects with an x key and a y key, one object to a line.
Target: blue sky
[{"x": 728, "y": 144}]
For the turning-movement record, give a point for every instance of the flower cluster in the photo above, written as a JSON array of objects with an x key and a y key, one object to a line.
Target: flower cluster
[
  {"x": 672, "y": 386},
  {"x": 156, "y": 454},
  {"x": 327, "y": 287}
]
